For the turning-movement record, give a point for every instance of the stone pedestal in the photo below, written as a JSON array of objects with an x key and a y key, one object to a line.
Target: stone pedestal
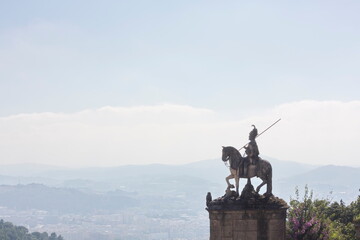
[
  {"x": 253, "y": 224},
  {"x": 249, "y": 217}
]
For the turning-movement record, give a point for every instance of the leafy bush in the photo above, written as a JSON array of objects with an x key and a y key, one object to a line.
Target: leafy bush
[
  {"x": 9, "y": 231},
  {"x": 303, "y": 222},
  {"x": 310, "y": 219},
  {"x": 357, "y": 219}
]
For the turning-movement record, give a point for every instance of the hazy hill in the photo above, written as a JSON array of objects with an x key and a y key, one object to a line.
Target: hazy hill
[
  {"x": 18, "y": 179},
  {"x": 26, "y": 169},
  {"x": 333, "y": 182},
  {"x": 284, "y": 169},
  {"x": 132, "y": 197},
  {"x": 330, "y": 174},
  {"x": 37, "y": 196},
  {"x": 191, "y": 180},
  {"x": 212, "y": 170}
]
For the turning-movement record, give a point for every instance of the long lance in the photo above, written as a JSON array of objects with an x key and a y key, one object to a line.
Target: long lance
[{"x": 262, "y": 132}]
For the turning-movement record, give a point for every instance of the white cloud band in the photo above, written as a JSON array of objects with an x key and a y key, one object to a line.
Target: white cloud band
[{"x": 310, "y": 131}]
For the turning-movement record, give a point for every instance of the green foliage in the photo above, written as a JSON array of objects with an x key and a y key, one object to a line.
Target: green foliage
[
  {"x": 343, "y": 218},
  {"x": 320, "y": 219},
  {"x": 304, "y": 222},
  {"x": 357, "y": 219},
  {"x": 8, "y": 231},
  {"x": 355, "y": 206}
]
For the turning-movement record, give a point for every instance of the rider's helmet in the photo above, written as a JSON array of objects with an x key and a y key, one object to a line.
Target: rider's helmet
[{"x": 253, "y": 133}]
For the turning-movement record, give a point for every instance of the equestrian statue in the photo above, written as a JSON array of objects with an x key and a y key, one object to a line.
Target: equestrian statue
[{"x": 249, "y": 166}]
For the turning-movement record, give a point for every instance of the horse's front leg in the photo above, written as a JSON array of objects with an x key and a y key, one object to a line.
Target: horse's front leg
[
  {"x": 237, "y": 180},
  {"x": 228, "y": 182}
]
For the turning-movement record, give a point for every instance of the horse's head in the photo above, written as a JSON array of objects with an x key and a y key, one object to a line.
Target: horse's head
[
  {"x": 225, "y": 154},
  {"x": 230, "y": 153}
]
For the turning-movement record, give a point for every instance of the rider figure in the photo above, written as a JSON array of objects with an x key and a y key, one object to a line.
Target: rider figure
[{"x": 251, "y": 150}]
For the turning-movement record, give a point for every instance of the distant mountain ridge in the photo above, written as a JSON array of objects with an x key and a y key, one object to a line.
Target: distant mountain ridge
[
  {"x": 26, "y": 169},
  {"x": 38, "y": 196},
  {"x": 332, "y": 182},
  {"x": 207, "y": 175},
  {"x": 213, "y": 166},
  {"x": 129, "y": 196},
  {"x": 331, "y": 174}
]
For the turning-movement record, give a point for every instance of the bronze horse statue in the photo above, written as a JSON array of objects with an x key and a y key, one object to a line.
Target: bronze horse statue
[{"x": 263, "y": 170}]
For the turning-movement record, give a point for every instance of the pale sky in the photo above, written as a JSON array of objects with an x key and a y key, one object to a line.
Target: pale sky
[{"x": 90, "y": 83}]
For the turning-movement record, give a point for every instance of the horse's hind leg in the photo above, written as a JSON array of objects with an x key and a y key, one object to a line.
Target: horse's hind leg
[
  {"x": 258, "y": 187},
  {"x": 269, "y": 187}
]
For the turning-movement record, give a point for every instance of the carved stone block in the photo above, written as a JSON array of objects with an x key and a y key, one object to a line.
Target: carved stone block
[{"x": 229, "y": 221}]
